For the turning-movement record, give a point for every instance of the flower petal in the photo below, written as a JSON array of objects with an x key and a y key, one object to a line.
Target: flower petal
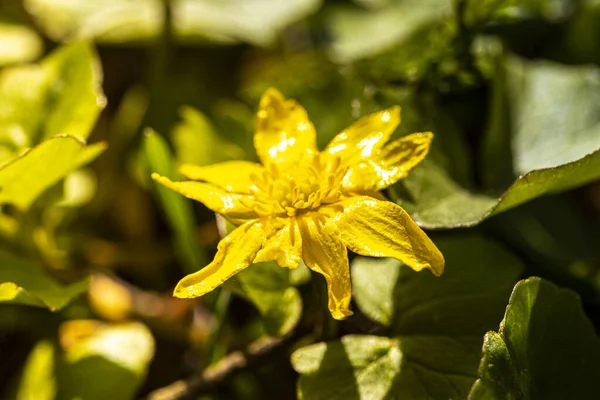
[
  {"x": 230, "y": 205},
  {"x": 284, "y": 247},
  {"x": 283, "y": 131},
  {"x": 233, "y": 176},
  {"x": 324, "y": 252},
  {"x": 383, "y": 229},
  {"x": 394, "y": 162},
  {"x": 363, "y": 139},
  {"x": 235, "y": 252}
]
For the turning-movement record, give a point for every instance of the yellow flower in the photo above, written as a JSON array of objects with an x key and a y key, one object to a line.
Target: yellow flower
[{"x": 310, "y": 205}]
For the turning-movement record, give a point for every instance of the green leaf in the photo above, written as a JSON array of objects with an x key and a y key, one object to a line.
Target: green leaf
[
  {"x": 226, "y": 21},
  {"x": 478, "y": 13},
  {"x": 435, "y": 201},
  {"x": 359, "y": 33},
  {"x": 24, "y": 178},
  {"x": 271, "y": 289},
  {"x": 546, "y": 348},
  {"x": 373, "y": 360},
  {"x": 178, "y": 210},
  {"x": 374, "y": 293},
  {"x": 437, "y": 326},
  {"x": 37, "y": 379},
  {"x": 19, "y": 44},
  {"x": 24, "y": 282},
  {"x": 61, "y": 95},
  {"x": 196, "y": 141},
  {"x": 554, "y": 127},
  {"x": 119, "y": 355},
  {"x": 99, "y": 362}
]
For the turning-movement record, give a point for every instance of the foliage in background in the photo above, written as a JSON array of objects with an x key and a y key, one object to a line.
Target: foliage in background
[{"x": 89, "y": 255}]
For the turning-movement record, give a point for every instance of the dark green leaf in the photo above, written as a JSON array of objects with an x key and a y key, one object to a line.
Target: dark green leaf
[
  {"x": 24, "y": 282},
  {"x": 554, "y": 127},
  {"x": 546, "y": 348},
  {"x": 437, "y": 323},
  {"x": 271, "y": 289},
  {"x": 477, "y": 13}
]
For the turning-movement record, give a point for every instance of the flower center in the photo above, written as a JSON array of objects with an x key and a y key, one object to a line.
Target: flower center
[{"x": 315, "y": 180}]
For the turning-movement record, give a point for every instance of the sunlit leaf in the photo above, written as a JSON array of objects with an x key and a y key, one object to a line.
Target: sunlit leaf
[
  {"x": 437, "y": 326},
  {"x": 18, "y": 44},
  {"x": 37, "y": 380},
  {"x": 120, "y": 354},
  {"x": 114, "y": 21},
  {"x": 24, "y": 178},
  {"x": 78, "y": 189},
  {"x": 179, "y": 212},
  {"x": 97, "y": 362},
  {"x": 61, "y": 95},
  {"x": 546, "y": 348},
  {"x": 24, "y": 282}
]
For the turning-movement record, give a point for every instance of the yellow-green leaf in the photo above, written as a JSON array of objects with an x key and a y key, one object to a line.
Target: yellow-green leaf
[
  {"x": 60, "y": 95},
  {"x": 25, "y": 177}
]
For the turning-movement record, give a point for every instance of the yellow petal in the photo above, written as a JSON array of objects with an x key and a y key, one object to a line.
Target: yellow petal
[
  {"x": 235, "y": 252},
  {"x": 383, "y": 229},
  {"x": 394, "y": 162},
  {"x": 233, "y": 176},
  {"x": 230, "y": 205},
  {"x": 324, "y": 252},
  {"x": 284, "y": 134},
  {"x": 284, "y": 246},
  {"x": 363, "y": 139}
]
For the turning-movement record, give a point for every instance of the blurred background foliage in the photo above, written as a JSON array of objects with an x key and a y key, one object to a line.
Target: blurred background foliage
[{"x": 96, "y": 95}]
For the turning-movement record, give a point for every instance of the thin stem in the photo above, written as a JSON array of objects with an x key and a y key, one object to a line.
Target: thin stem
[
  {"x": 256, "y": 354},
  {"x": 214, "y": 349}
]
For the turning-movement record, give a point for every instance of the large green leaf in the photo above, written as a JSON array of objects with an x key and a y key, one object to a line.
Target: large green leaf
[
  {"x": 555, "y": 113},
  {"x": 116, "y": 21},
  {"x": 24, "y": 282},
  {"x": 99, "y": 362},
  {"x": 25, "y": 177},
  {"x": 437, "y": 325},
  {"x": 271, "y": 289},
  {"x": 61, "y": 95},
  {"x": 553, "y": 123},
  {"x": 546, "y": 348},
  {"x": 19, "y": 44},
  {"x": 178, "y": 210}
]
